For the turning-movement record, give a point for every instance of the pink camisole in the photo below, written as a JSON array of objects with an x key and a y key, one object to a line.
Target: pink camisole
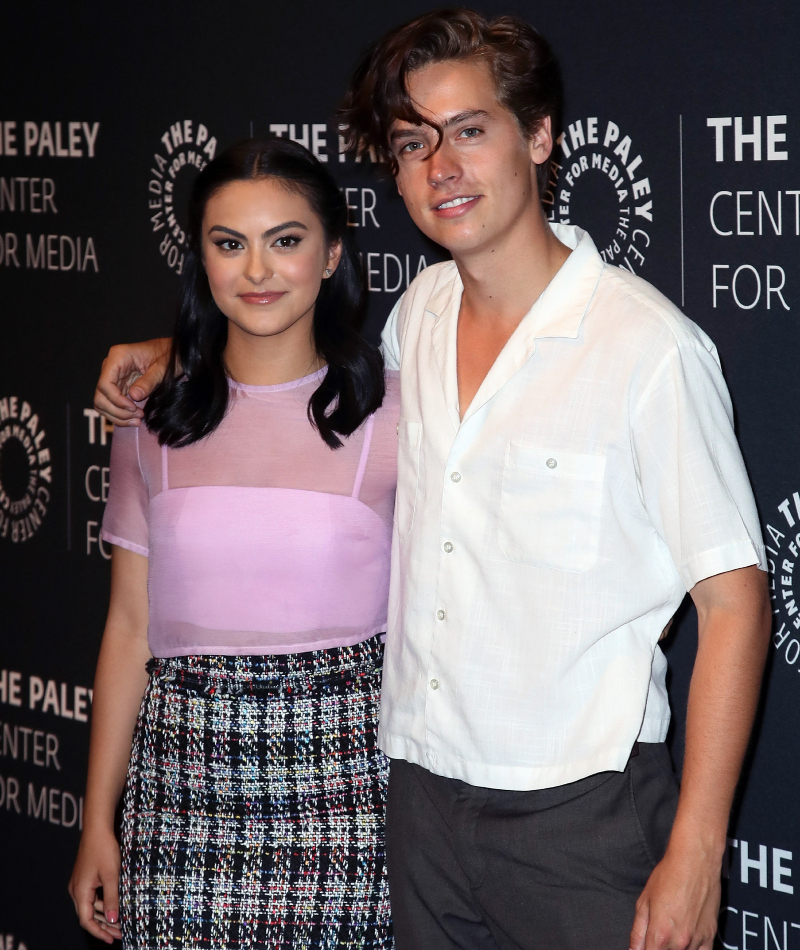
[{"x": 243, "y": 561}]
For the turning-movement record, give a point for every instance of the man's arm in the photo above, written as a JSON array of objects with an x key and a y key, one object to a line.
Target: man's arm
[
  {"x": 130, "y": 371},
  {"x": 679, "y": 906}
]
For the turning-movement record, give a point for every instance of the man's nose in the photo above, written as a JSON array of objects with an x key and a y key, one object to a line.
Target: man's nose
[{"x": 443, "y": 166}]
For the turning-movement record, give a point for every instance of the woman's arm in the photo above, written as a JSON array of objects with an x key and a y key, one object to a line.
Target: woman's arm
[
  {"x": 131, "y": 367},
  {"x": 119, "y": 685}
]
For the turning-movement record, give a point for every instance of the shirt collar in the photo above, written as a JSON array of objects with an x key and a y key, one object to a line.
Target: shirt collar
[
  {"x": 558, "y": 312},
  {"x": 562, "y": 305}
]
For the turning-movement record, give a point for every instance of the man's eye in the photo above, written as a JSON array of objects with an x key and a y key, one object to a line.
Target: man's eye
[
  {"x": 412, "y": 147},
  {"x": 471, "y": 133},
  {"x": 288, "y": 240}
]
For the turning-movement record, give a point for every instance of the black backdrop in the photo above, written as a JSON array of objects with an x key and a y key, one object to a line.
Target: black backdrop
[{"x": 681, "y": 158}]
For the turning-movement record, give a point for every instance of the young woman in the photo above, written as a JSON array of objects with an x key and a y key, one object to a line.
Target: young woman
[{"x": 251, "y": 524}]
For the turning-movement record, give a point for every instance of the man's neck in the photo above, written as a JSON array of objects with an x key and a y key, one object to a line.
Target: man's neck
[
  {"x": 503, "y": 280},
  {"x": 501, "y": 284}
]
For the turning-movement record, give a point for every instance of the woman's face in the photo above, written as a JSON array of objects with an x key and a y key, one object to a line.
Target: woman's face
[{"x": 265, "y": 255}]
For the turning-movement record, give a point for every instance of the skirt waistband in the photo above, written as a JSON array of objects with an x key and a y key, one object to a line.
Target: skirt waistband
[{"x": 335, "y": 670}]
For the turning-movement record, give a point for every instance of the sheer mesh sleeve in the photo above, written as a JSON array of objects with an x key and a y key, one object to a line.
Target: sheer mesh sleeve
[{"x": 125, "y": 520}]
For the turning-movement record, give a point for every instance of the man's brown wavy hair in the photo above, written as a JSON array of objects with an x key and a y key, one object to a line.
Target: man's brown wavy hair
[{"x": 525, "y": 71}]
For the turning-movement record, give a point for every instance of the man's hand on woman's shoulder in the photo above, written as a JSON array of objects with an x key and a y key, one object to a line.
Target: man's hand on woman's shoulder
[{"x": 130, "y": 372}]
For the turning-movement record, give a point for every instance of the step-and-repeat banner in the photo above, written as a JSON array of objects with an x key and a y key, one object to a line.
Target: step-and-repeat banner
[{"x": 681, "y": 157}]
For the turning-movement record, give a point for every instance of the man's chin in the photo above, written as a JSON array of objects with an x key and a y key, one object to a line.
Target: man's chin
[
  {"x": 463, "y": 246},
  {"x": 456, "y": 237},
  {"x": 452, "y": 233}
]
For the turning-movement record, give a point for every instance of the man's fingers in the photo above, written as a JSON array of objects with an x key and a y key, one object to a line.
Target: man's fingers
[
  {"x": 117, "y": 409},
  {"x": 120, "y": 369},
  {"x": 146, "y": 383},
  {"x": 121, "y": 380},
  {"x": 640, "y": 921},
  {"x": 110, "y": 396},
  {"x": 116, "y": 391}
]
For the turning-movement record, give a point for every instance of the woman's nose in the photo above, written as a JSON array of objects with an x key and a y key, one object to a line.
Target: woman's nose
[{"x": 257, "y": 268}]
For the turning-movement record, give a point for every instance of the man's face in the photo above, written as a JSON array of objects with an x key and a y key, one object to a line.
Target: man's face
[{"x": 471, "y": 193}]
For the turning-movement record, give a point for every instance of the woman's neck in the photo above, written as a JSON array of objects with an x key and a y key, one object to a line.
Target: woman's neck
[{"x": 269, "y": 361}]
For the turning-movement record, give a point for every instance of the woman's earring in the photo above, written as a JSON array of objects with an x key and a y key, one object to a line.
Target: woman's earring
[{"x": 328, "y": 272}]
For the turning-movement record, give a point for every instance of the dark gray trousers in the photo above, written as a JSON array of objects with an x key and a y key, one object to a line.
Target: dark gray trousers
[{"x": 553, "y": 869}]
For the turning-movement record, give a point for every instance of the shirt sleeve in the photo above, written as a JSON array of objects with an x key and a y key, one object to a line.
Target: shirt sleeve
[
  {"x": 692, "y": 477},
  {"x": 125, "y": 519},
  {"x": 390, "y": 344}
]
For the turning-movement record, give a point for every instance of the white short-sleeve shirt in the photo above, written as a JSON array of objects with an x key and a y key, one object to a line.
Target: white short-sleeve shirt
[{"x": 542, "y": 542}]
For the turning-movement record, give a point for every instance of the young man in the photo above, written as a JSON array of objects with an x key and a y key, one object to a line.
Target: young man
[{"x": 567, "y": 471}]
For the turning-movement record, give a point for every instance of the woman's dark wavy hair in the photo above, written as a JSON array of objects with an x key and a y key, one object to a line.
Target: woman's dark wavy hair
[{"x": 192, "y": 399}]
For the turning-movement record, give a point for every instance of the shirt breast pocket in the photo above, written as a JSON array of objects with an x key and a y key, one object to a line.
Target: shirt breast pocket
[
  {"x": 550, "y": 507},
  {"x": 409, "y": 437}
]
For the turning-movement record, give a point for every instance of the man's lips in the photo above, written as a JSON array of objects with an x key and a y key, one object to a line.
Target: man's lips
[
  {"x": 456, "y": 206},
  {"x": 264, "y": 297}
]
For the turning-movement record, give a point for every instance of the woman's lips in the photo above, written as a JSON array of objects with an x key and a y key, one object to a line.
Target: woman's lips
[{"x": 262, "y": 298}]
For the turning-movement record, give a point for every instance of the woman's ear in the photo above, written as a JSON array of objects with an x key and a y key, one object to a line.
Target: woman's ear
[{"x": 334, "y": 256}]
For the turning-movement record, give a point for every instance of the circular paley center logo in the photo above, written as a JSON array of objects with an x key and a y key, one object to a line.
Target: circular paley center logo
[
  {"x": 25, "y": 471},
  {"x": 186, "y": 148},
  {"x": 782, "y": 538},
  {"x": 597, "y": 182}
]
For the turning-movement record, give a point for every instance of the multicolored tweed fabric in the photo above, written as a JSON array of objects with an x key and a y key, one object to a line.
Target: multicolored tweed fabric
[{"x": 254, "y": 808}]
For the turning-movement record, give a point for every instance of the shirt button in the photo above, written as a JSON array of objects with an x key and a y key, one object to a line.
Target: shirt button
[
  {"x": 455, "y": 477},
  {"x": 440, "y": 614},
  {"x": 448, "y": 547},
  {"x": 434, "y": 683},
  {"x": 551, "y": 463},
  {"x": 397, "y": 428}
]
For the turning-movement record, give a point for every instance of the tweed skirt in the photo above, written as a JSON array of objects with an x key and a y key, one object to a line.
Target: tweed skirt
[{"x": 253, "y": 813}]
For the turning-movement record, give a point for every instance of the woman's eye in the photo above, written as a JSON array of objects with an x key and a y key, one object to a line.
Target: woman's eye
[
  {"x": 229, "y": 244},
  {"x": 288, "y": 240}
]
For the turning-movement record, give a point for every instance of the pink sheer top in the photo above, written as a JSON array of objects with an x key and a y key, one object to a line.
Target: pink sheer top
[{"x": 260, "y": 538}]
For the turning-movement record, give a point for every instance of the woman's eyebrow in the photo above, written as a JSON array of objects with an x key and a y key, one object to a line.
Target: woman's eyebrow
[
  {"x": 283, "y": 227},
  {"x": 266, "y": 234}
]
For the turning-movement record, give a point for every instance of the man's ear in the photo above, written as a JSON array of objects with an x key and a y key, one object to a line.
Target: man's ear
[{"x": 540, "y": 144}]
